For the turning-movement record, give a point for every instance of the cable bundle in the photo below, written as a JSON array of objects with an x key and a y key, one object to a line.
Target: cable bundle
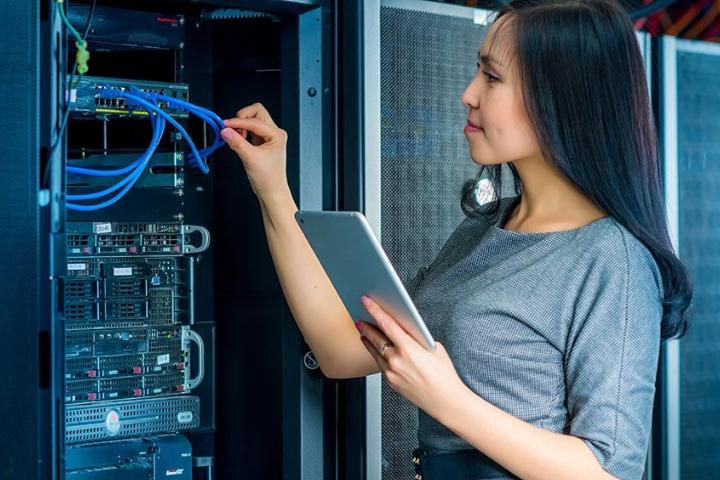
[
  {"x": 148, "y": 102},
  {"x": 136, "y": 168}
]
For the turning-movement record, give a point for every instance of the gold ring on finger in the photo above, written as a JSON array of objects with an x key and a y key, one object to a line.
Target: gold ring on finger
[{"x": 384, "y": 347}]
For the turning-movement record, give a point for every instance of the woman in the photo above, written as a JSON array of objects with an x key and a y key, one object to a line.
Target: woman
[{"x": 548, "y": 306}]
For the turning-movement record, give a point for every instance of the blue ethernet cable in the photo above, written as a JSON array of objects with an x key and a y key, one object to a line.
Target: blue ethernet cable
[
  {"x": 217, "y": 142},
  {"x": 208, "y": 116},
  {"x": 149, "y": 106},
  {"x": 193, "y": 108},
  {"x": 147, "y": 101},
  {"x": 116, "y": 172},
  {"x": 139, "y": 166},
  {"x": 130, "y": 180},
  {"x": 92, "y": 172}
]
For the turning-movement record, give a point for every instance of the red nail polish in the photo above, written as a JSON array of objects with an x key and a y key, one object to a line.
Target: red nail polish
[{"x": 358, "y": 326}]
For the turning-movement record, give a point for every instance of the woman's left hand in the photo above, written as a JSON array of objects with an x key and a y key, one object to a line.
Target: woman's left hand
[{"x": 427, "y": 379}]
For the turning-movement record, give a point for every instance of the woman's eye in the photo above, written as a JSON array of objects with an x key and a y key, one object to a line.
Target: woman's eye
[{"x": 490, "y": 77}]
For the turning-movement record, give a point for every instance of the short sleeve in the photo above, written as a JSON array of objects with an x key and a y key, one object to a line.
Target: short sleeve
[{"x": 611, "y": 357}]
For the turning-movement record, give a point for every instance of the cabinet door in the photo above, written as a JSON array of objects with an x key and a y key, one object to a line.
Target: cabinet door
[
  {"x": 419, "y": 57},
  {"x": 27, "y": 445},
  {"x": 691, "y": 133}
]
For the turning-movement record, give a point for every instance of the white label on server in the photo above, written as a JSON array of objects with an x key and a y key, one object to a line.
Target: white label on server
[
  {"x": 103, "y": 227},
  {"x": 73, "y": 95},
  {"x": 112, "y": 422},
  {"x": 163, "y": 359},
  {"x": 77, "y": 266},
  {"x": 122, "y": 271},
  {"x": 185, "y": 417}
]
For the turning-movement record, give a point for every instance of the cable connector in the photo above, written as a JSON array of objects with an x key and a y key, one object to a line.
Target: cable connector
[{"x": 82, "y": 56}]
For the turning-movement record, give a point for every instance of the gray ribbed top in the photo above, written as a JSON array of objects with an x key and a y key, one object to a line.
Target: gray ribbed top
[{"x": 560, "y": 329}]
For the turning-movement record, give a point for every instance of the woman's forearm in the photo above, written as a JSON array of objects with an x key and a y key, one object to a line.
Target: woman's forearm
[{"x": 528, "y": 451}]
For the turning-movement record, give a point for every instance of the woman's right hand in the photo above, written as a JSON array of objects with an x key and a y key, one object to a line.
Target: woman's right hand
[{"x": 264, "y": 156}]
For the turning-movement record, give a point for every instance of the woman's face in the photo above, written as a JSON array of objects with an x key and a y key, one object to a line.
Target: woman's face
[{"x": 498, "y": 129}]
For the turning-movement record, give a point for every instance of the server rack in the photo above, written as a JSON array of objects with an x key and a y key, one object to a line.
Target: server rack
[{"x": 264, "y": 410}]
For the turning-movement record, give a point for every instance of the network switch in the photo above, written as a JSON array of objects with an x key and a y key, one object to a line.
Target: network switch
[{"x": 100, "y": 96}]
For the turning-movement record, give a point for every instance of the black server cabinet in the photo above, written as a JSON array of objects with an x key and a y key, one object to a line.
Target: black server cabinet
[
  {"x": 92, "y": 361},
  {"x": 27, "y": 397},
  {"x": 688, "y": 423}
]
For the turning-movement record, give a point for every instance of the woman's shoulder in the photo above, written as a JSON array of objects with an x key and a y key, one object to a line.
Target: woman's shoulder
[{"x": 619, "y": 253}]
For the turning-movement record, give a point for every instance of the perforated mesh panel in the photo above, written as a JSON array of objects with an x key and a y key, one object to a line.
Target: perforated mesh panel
[
  {"x": 427, "y": 61},
  {"x": 699, "y": 198},
  {"x": 136, "y": 418}
]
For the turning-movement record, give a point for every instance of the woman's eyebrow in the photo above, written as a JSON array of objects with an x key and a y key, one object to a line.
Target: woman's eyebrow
[{"x": 487, "y": 59}]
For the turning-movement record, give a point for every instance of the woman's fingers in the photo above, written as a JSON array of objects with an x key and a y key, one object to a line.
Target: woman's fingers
[
  {"x": 261, "y": 146},
  {"x": 256, "y": 110},
  {"x": 382, "y": 363},
  {"x": 386, "y": 323},
  {"x": 376, "y": 337},
  {"x": 236, "y": 141},
  {"x": 256, "y": 127}
]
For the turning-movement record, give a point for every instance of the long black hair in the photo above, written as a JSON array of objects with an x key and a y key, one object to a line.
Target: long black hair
[{"x": 584, "y": 89}]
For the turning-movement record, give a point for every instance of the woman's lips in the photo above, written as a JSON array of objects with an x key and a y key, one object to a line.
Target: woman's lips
[{"x": 471, "y": 128}]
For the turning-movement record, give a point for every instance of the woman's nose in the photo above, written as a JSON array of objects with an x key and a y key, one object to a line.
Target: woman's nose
[{"x": 469, "y": 98}]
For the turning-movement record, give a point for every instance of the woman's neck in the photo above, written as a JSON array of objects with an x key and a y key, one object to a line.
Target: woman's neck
[{"x": 549, "y": 201}]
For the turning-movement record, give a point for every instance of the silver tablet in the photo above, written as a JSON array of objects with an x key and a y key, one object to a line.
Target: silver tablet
[{"x": 357, "y": 265}]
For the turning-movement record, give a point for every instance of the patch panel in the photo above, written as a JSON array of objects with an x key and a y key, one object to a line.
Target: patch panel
[{"x": 98, "y": 96}]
